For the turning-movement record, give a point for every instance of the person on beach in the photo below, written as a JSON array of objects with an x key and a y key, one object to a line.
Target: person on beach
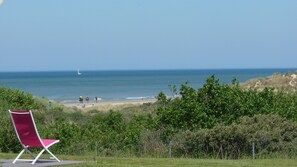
[
  {"x": 96, "y": 99},
  {"x": 81, "y": 99},
  {"x": 87, "y": 99}
]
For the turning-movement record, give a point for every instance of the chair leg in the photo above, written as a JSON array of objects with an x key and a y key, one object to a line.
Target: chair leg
[
  {"x": 18, "y": 156},
  {"x": 37, "y": 157},
  {"x": 45, "y": 149},
  {"x": 28, "y": 151},
  {"x": 52, "y": 155}
]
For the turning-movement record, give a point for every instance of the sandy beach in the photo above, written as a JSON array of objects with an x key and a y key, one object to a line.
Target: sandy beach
[{"x": 108, "y": 105}]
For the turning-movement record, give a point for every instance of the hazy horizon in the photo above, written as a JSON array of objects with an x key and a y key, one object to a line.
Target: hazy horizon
[{"x": 216, "y": 69}]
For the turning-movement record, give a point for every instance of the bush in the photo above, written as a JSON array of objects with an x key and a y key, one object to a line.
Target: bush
[
  {"x": 15, "y": 99},
  {"x": 151, "y": 144},
  {"x": 217, "y": 103},
  {"x": 270, "y": 133}
]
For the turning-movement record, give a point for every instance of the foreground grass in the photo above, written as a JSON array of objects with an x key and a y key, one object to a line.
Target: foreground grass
[
  {"x": 89, "y": 161},
  {"x": 165, "y": 162}
]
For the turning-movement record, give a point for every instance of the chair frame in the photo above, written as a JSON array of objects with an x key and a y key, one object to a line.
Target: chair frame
[{"x": 25, "y": 148}]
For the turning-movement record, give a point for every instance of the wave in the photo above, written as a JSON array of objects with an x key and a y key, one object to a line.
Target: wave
[
  {"x": 139, "y": 98},
  {"x": 68, "y": 101}
]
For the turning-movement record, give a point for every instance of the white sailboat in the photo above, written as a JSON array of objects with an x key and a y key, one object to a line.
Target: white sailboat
[{"x": 78, "y": 73}]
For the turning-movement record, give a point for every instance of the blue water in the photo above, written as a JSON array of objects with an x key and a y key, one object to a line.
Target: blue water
[{"x": 67, "y": 86}]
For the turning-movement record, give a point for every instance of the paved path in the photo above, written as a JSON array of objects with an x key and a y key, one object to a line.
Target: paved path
[{"x": 41, "y": 162}]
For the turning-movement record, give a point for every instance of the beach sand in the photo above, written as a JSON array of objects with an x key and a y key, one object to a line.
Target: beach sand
[{"x": 110, "y": 105}]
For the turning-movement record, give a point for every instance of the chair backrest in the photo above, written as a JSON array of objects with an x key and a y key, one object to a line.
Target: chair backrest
[{"x": 25, "y": 128}]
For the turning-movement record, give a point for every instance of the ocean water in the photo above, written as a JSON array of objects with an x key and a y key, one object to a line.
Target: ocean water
[{"x": 67, "y": 86}]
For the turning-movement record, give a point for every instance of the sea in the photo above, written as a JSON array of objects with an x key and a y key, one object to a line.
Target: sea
[{"x": 67, "y": 86}]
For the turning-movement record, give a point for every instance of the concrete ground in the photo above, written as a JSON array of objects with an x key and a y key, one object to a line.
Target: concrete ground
[{"x": 41, "y": 162}]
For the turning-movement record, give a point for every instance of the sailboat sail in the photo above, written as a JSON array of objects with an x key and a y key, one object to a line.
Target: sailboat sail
[{"x": 78, "y": 73}]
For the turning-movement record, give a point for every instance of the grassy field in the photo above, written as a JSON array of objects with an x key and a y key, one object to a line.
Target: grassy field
[
  {"x": 181, "y": 162},
  {"x": 89, "y": 161},
  {"x": 163, "y": 162}
]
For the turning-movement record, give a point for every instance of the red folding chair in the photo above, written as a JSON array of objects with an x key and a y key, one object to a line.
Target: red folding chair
[{"x": 28, "y": 136}]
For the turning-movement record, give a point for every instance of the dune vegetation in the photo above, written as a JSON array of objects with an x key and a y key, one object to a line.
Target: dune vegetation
[{"x": 216, "y": 121}]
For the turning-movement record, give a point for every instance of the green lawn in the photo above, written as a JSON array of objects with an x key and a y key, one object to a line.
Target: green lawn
[
  {"x": 89, "y": 161},
  {"x": 164, "y": 162}
]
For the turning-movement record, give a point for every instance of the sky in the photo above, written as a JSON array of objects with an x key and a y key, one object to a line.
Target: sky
[{"x": 58, "y": 35}]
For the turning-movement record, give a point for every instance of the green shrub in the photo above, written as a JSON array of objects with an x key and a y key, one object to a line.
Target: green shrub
[
  {"x": 17, "y": 100},
  {"x": 217, "y": 103},
  {"x": 270, "y": 133},
  {"x": 150, "y": 144}
]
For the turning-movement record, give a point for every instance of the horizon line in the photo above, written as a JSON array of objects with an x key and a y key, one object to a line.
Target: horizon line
[{"x": 169, "y": 69}]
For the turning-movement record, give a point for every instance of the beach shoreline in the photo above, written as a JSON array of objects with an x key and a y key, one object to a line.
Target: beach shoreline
[{"x": 108, "y": 105}]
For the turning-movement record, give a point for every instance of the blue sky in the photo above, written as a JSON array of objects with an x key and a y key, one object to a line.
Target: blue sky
[{"x": 147, "y": 34}]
